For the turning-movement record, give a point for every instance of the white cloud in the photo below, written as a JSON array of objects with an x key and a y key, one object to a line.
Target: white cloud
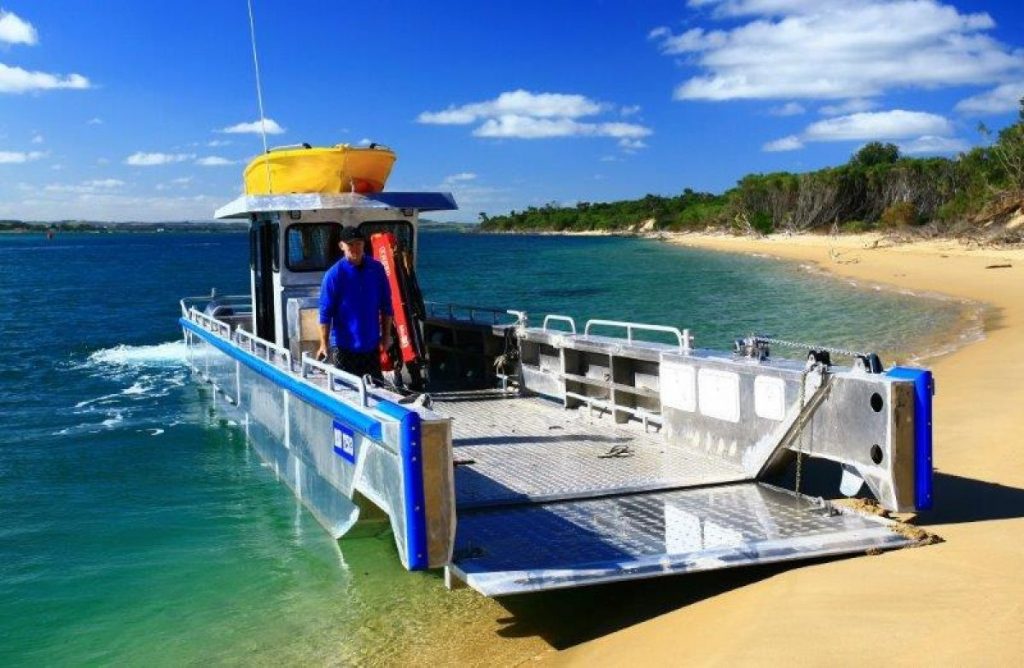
[
  {"x": 894, "y": 124},
  {"x": 365, "y": 141},
  {"x": 104, "y": 183},
  {"x": 17, "y": 80},
  {"x": 521, "y": 114},
  {"x": 528, "y": 127},
  {"x": 930, "y": 144},
  {"x": 216, "y": 143},
  {"x": 630, "y": 110},
  {"x": 37, "y": 139},
  {"x": 103, "y": 161},
  {"x": 140, "y": 159},
  {"x": 18, "y": 157},
  {"x": 932, "y": 131},
  {"x": 94, "y": 121},
  {"x": 461, "y": 177},
  {"x": 851, "y": 106},
  {"x": 272, "y": 128},
  {"x": 516, "y": 103},
  {"x": 85, "y": 187},
  {"x": 790, "y": 143},
  {"x": 16, "y": 30},
  {"x": 999, "y": 100},
  {"x": 214, "y": 161},
  {"x": 788, "y": 109},
  {"x": 182, "y": 180},
  {"x": 836, "y": 49},
  {"x": 631, "y": 145}
]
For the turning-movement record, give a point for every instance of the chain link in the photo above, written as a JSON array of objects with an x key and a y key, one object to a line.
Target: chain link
[{"x": 809, "y": 346}]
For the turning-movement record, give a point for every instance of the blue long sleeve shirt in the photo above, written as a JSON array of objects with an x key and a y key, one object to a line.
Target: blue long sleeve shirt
[{"x": 352, "y": 300}]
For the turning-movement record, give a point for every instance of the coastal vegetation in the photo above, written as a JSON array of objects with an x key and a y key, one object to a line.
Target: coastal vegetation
[{"x": 978, "y": 194}]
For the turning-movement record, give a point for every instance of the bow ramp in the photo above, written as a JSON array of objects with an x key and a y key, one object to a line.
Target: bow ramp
[
  {"x": 549, "y": 498},
  {"x": 621, "y": 459}
]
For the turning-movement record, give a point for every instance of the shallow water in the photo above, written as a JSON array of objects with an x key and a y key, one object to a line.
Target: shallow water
[{"x": 138, "y": 527}]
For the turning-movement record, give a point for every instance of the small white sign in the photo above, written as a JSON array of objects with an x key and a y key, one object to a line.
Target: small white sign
[
  {"x": 718, "y": 393},
  {"x": 770, "y": 397}
]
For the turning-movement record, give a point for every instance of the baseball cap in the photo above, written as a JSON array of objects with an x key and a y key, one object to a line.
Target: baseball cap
[{"x": 351, "y": 234}]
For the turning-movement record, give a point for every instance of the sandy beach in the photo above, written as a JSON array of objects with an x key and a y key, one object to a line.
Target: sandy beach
[{"x": 960, "y": 602}]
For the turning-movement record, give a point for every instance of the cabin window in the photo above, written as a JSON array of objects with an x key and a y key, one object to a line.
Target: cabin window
[{"x": 312, "y": 246}]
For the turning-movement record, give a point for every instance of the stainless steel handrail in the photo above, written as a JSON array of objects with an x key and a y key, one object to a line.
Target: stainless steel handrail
[
  {"x": 683, "y": 336},
  {"x": 559, "y": 318},
  {"x": 333, "y": 373},
  {"x": 263, "y": 349}
]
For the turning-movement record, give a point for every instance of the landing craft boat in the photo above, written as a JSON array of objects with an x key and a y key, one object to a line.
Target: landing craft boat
[{"x": 548, "y": 453}]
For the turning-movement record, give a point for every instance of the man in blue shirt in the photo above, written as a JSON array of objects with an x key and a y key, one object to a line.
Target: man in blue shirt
[{"x": 355, "y": 308}]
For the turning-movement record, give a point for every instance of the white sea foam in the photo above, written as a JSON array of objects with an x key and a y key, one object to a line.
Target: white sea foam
[{"x": 171, "y": 353}]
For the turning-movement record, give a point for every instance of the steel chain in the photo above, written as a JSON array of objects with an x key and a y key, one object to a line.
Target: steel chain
[{"x": 809, "y": 346}]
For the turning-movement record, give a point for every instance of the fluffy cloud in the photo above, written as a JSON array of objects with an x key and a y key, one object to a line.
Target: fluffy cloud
[
  {"x": 461, "y": 177},
  {"x": 894, "y": 124},
  {"x": 18, "y": 80},
  {"x": 140, "y": 159},
  {"x": 516, "y": 103},
  {"x": 85, "y": 187},
  {"x": 930, "y": 144},
  {"x": 214, "y": 161},
  {"x": 104, "y": 183},
  {"x": 272, "y": 128},
  {"x": 524, "y": 115},
  {"x": 16, "y": 30},
  {"x": 999, "y": 100},
  {"x": 836, "y": 49},
  {"x": 790, "y": 143},
  {"x": 788, "y": 109},
  {"x": 931, "y": 130},
  {"x": 18, "y": 157},
  {"x": 94, "y": 121}
]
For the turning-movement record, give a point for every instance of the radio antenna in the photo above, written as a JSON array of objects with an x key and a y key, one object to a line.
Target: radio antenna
[{"x": 259, "y": 95}]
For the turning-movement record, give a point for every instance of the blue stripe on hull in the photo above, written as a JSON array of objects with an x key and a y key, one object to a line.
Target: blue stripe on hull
[{"x": 410, "y": 448}]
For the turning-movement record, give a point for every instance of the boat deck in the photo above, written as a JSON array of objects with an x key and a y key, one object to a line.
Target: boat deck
[{"x": 510, "y": 449}]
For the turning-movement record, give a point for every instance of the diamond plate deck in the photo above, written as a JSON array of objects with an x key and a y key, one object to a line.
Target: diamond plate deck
[
  {"x": 510, "y": 550},
  {"x": 525, "y": 449}
]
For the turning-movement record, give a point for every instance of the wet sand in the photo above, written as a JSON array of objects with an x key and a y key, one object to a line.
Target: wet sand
[{"x": 960, "y": 602}]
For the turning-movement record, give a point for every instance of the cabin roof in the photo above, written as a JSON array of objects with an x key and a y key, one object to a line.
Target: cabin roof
[{"x": 246, "y": 205}]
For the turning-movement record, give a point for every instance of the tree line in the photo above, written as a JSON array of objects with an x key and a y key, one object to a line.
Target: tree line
[{"x": 877, "y": 189}]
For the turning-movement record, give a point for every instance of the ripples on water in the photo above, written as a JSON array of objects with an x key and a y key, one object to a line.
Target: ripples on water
[{"x": 138, "y": 527}]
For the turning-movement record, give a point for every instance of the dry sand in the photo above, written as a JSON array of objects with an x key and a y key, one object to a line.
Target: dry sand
[{"x": 960, "y": 602}]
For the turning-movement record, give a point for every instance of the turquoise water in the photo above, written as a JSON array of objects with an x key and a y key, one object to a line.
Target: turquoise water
[{"x": 137, "y": 527}]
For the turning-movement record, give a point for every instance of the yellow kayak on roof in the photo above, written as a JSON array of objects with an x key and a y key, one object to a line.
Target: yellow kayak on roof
[{"x": 335, "y": 169}]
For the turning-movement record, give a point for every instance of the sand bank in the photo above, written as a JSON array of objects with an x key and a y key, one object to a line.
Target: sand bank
[{"x": 957, "y": 603}]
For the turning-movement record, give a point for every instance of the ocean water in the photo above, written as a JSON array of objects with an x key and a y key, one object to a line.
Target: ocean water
[{"x": 137, "y": 527}]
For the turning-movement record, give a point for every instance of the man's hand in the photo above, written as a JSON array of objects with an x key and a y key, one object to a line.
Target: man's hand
[{"x": 321, "y": 353}]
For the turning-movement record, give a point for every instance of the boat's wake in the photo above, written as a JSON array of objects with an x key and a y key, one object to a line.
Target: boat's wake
[{"x": 141, "y": 374}]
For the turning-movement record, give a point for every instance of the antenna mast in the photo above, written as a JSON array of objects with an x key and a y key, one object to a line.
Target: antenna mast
[{"x": 259, "y": 94}]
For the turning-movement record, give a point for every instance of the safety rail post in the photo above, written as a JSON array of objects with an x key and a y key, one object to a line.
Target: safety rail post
[
  {"x": 630, "y": 326},
  {"x": 559, "y": 318},
  {"x": 332, "y": 373}
]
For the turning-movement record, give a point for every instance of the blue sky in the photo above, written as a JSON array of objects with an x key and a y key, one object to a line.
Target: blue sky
[{"x": 124, "y": 110}]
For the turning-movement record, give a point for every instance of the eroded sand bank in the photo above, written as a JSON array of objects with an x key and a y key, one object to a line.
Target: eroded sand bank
[{"x": 957, "y": 603}]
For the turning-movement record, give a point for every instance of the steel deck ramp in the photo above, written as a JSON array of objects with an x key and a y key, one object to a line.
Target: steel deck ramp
[
  {"x": 511, "y": 449},
  {"x": 526, "y": 548}
]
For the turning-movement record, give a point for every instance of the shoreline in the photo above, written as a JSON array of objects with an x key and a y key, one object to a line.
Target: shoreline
[{"x": 955, "y": 602}]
